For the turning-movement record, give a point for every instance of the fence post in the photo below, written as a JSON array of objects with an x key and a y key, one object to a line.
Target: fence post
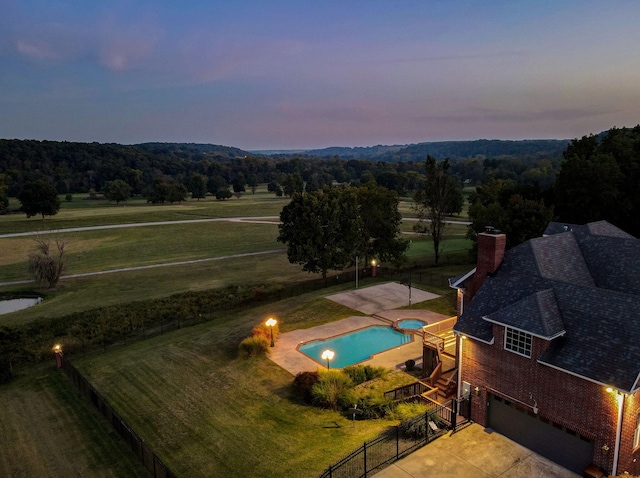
[
  {"x": 454, "y": 413},
  {"x": 426, "y": 427},
  {"x": 397, "y": 442},
  {"x": 364, "y": 448}
]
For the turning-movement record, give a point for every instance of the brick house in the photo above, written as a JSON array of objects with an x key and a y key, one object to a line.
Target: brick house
[{"x": 549, "y": 344}]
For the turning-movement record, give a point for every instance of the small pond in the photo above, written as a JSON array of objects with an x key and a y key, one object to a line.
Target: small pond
[{"x": 13, "y": 305}]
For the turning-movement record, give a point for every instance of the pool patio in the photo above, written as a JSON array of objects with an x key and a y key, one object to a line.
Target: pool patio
[{"x": 286, "y": 355}]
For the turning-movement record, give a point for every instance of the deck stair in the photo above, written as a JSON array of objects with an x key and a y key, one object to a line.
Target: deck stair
[{"x": 446, "y": 385}]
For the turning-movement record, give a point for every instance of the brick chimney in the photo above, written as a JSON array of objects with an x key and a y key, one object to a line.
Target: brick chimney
[{"x": 491, "y": 246}]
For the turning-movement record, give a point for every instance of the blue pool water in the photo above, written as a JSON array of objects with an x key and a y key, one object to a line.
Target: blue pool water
[
  {"x": 355, "y": 346},
  {"x": 411, "y": 324}
]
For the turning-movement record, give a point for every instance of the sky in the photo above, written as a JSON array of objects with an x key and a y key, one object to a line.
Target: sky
[{"x": 305, "y": 74}]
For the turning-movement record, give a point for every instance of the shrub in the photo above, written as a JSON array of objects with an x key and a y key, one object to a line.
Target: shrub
[
  {"x": 304, "y": 382},
  {"x": 363, "y": 373},
  {"x": 255, "y": 346},
  {"x": 261, "y": 330},
  {"x": 330, "y": 388},
  {"x": 405, "y": 411},
  {"x": 375, "y": 406},
  {"x": 410, "y": 364}
]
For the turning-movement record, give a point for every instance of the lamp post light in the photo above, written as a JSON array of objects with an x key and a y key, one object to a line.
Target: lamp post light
[
  {"x": 271, "y": 322},
  {"x": 328, "y": 356},
  {"x": 373, "y": 268},
  {"x": 57, "y": 351}
]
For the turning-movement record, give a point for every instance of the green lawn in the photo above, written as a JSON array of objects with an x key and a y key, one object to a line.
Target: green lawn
[
  {"x": 81, "y": 213},
  {"x": 203, "y": 409},
  {"x": 206, "y": 411},
  {"x": 47, "y": 431}
]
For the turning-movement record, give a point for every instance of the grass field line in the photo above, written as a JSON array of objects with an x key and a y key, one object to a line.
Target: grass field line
[
  {"x": 253, "y": 220},
  {"x": 167, "y": 264}
]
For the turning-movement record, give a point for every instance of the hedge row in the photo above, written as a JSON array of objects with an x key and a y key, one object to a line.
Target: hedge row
[{"x": 102, "y": 326}]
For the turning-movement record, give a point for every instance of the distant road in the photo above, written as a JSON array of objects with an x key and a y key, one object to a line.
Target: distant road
[
  {"x": 252, "y": 220},
  {"x": 255, "y": 220},
  {"x": 152, "y": 266}
]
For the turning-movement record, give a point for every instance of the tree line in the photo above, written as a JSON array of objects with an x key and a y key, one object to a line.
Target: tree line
[{"x": 207, "y": 169}]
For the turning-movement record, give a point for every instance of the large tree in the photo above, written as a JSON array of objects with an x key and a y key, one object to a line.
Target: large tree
[
  {"x": 4, "y": 192},
  {"x": 599, "y": 180},
  {"x": 198, "y": 186},
  {"x": 321, "y": 229},
  {"x": 518, "y": 211},
  {"x": 117, "y": 190},
  {"x": 439, "y": 198},
  {"x": 380, "y": 220},
  {"x": 39, "y": 197}
]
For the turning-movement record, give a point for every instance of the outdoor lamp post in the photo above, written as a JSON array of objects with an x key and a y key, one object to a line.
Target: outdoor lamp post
[
  {"x": 328, "y": 356},
  {"x": 270, "y": 323},
  {"x": 373, "y": 268},
  {"x": 57, "y": 350}
]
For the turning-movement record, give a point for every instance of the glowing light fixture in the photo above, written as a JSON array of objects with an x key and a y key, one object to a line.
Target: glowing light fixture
[
  {"x": 271, "y": 322},
  {"x": 328, "y": 356}
]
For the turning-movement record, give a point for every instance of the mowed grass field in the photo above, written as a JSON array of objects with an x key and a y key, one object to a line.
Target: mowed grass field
[
  {"x": 205, "y": 410},
  {"x": 112, "y": 249},
  {"x": 46, "y": 430}
]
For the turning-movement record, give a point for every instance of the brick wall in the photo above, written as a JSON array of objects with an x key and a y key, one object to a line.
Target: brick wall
[{"x": 579, "y": 405}]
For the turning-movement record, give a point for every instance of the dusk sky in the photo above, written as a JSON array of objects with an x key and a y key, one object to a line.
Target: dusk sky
[{"x": 311, "y": 74}]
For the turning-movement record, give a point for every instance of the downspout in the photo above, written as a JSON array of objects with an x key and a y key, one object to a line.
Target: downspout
[
  {"x": 460, "y": 342},
  {"x": 616, "y": 450}
]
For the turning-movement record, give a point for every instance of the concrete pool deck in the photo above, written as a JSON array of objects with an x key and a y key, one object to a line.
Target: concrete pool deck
[{"x": 286, "y": 355}]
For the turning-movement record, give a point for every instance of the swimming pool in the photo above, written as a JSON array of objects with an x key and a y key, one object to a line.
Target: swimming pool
[
  {"x": 355, "y": 346},
  {"x": 412, "y": 324}
]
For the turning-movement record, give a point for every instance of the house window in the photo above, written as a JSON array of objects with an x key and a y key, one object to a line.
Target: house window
[
  {"x": 518, "y": 342},
  {"x": 636, "y": 434}
]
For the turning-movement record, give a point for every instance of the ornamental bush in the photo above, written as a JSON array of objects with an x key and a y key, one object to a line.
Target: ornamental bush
[
  {"x": 363, "y": 373},
  {"x": 261, "y": 330},
  {"x": 255, "y": 346},
  {"x": 303, "y": 384},
  {"x": 330, "y": 388}
]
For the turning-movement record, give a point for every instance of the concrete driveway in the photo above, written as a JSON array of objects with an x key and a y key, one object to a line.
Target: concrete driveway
[{"x": 478, "y": 452}]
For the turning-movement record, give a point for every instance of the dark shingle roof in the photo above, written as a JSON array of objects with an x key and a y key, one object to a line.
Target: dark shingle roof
[
  {"x": 537, "y": 314},
  {"x": 584, "y": 282}
]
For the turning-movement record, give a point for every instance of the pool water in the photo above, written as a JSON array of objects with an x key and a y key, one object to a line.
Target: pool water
[
  {"x": 411, "y": 324},
  {"x": 355, "y": 346}
]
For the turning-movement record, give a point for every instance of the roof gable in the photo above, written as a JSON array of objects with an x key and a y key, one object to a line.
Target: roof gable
[
  {"x": 558, "y": 257},
  {"x": 537, "y": 314}
]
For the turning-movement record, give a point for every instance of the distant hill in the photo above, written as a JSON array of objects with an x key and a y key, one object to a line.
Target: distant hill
[
  {"x": 449, "y": 149},
  {"x": 356, "y": 152},
  {"x": 192, "y": 149}
]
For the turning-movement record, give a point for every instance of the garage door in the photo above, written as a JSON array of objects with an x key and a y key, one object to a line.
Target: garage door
[{"x": 549, "y": 439}]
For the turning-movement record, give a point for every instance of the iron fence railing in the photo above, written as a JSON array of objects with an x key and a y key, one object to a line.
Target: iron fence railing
[
  {"x": 138, "y": 447},
  {"x": 398, "y": 442}
]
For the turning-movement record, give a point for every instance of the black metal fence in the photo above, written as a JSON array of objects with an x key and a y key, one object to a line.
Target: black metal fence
[
  {"x": 399, "y": 441},
  {"x": 138, "y": 447}
]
